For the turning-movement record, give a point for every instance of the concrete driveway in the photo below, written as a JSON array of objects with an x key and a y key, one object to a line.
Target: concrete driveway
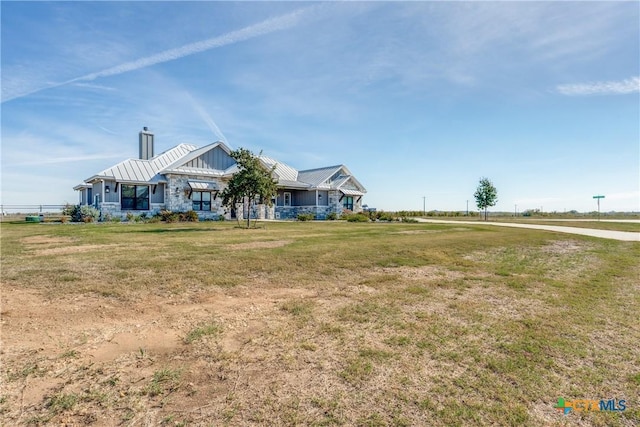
[{"x": 629, "y": 236}]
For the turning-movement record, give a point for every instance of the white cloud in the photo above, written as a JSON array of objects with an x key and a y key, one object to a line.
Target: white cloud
[
  {"x": 282, "y": 22},
  {"x": 621, "y": 87}
]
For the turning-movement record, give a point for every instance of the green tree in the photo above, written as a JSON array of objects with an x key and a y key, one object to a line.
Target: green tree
[
  {"x": 486, "y": 195},
  {"x": 252, "y": 183}
]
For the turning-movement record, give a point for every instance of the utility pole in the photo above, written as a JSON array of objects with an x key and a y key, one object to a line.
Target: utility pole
[
  {"x": 424, "y": 205},
  {"x": 515, "y": 213},
  {"x": 467, "y": 208}
]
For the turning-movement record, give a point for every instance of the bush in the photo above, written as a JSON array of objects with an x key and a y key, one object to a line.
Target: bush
[
  {"x": 69, "y": 209},
  {"x": 190, "y": 216},
  {"x": 332, "y": 216},
  {"x": 410, "y": 220},
  {"x": 82, "y": 213},
  {"x": 359, "y": 217},
  {"x": 220, "y": 218},
  {"x": 385, "y": 216},
  {"x": 130, "y": 217},
  {"x": 306, "y": 217},
  {"x": 168, "y": 216}
]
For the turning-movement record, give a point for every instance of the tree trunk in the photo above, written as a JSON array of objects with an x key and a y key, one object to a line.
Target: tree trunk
[{"x": 248, "y": 214}]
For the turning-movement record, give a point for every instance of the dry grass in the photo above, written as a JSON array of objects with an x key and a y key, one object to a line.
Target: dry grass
[{"x": 315, "y": 324}]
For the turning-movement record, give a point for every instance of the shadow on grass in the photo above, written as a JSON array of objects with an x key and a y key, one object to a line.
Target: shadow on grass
[{"x": 176, "y": 230}]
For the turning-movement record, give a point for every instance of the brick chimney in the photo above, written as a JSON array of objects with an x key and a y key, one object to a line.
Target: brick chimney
[{"x": 146, "y": 143}]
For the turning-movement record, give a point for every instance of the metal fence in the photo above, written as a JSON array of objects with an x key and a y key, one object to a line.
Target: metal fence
[{"x": 31, "y": 209}]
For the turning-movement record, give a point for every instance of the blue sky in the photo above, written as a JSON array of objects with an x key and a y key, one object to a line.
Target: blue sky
[{"x": 416, "y": 98}]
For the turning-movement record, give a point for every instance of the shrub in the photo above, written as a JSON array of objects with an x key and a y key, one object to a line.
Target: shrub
[
  {"x": 69, "y": 209},
  {"x": 130, "y": 217},
  {"x": 84, "y": 214},
  {"x": 385, "y": 216},
  {"x": 306, "y": 217},
  {"x": 190, "y": 216},
  {"x": 220, "y": 218},
  {"x": 332, "y": 216},
  {"x": 168, "y": 216},
  {"x": 410, "y": 220},
  {"x": 116, "y": 219},
  {"x": 359, "y": 217}
]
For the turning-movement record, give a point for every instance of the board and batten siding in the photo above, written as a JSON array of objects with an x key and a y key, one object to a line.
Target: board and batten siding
[
  {"x": 212, "y": 159},
  {"x": 112, "y": 195},
  {"x": 158, "y": 196},
  {"x": 323, "y": 198},
  {"x": 303, "y": 198}
]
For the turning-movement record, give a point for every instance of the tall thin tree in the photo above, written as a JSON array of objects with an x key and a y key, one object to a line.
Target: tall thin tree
[
  {"x": 252, "y": 183},
  {"x": 486, "y": 195}
]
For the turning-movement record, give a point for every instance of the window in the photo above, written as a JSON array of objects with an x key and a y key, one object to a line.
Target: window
[
  {"x": 201, "y": 201},
  {"x": 135, "y": 197},
  {"x": 287, "y": 199},
  {"x": 347, "y": 202}
]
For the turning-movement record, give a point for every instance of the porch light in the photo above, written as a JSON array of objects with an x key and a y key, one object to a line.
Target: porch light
[
  {"x": 106, "y": 189},
  {"x": 319, "y": 196}
]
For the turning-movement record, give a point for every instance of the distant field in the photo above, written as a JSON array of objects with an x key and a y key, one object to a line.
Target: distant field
[
  {"x": 315, "y": 323},
  {"x": 599, "y": 225}
]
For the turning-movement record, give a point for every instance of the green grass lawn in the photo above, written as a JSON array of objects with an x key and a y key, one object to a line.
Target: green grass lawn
[
  {"x": 598, "y": 225},
  {"x": 593, "y": 223},
  {"x": 319, "y": 323}
]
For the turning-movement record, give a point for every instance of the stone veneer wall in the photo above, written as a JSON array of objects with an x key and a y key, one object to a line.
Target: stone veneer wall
[
  {"x": 179, "y": 201},
  {"x": 292, "y": 212}
]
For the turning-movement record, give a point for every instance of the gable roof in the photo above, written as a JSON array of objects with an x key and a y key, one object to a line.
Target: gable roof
[
  {"x": 179, "y": 166},
  {"x": 283, "y": 171},
  {"x": 181, "y": 159},
  {"x": 138, "y": 170},
  {"x": 319, "y": 178}
]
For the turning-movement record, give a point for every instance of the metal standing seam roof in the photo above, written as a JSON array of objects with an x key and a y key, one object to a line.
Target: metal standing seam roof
[
  {"x": 202, "y": 185},
  {"x": 174, "y": 159},
  {"x": 194, "y": 171},
  {"x": 138, "y": 170},
  {"x": 351, "y": 192},
  {"x": 317, "y": 177},
  {"x": 284, "y": 171}
]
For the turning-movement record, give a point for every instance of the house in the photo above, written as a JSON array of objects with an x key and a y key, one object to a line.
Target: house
[{"x": 186, "y": 177}]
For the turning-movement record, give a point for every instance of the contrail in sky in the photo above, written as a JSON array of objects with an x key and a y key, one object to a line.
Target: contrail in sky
[{"x": 271, "y": 25}]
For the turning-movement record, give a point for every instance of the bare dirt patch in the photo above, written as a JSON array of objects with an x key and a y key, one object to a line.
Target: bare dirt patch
[
  {"x": 427, "y": 272},
  {"x": 90, "y": 340},
  {"x": 565, "y": 247},
  {"x": 259, "y": 245},
  {"x": 46, "y": 240},
  {"x": 65, "y": 250},
  {"x": 431, "y": 231}
]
